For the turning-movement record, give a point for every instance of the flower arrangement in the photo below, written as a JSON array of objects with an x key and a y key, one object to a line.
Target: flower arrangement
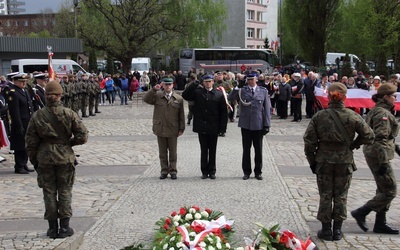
[
  {"x": 192, "y": 228},
  {"x": 272, "y": 238}
]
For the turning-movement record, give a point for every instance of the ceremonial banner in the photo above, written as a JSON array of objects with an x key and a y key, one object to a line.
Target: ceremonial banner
[
  {"x": 356, "y": 98},
  {"x": 50, "y": 68}
]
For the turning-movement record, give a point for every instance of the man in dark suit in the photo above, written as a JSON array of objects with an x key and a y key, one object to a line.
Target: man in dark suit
[
  {"x": 21, "y": 110},
  {"x": 254, "y": 121},
  {"x": 38, "y": 99},
  {"x": 210, "y": 119}
]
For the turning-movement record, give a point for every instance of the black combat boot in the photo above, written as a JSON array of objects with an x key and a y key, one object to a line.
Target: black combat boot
[
  {"x": 52, "y": 232},
  {"x": 381, "y": 226},
  {"x": 360, "y": 214},
  {"x": 92, "y": 114},
  {"x": 97, "y": 111},
  {"x": 326, "y": 232},
  {"x": 337, "y": 230},
  {"x": 65, "y": 230}
]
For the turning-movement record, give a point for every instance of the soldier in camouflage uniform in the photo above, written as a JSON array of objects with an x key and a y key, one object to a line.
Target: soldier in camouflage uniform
[
  {"x": 330, "y": 156},
  {"x": 84, "y": 84},
  {"x": 92, "y": 95},
  {"x": 378, "y": 156},
  {"x": 75, "y": 92},
  {"x": 66, "y": 98},
  {"x": 97, "y": 93},
  {"x": 52, "y": 156}
]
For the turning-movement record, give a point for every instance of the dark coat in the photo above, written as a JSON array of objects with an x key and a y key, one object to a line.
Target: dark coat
[
  {"x": 21, "y": 110},
  {"x": 38, "y": 101},
  {"x": 210, "y": 111},
  {"x": 180, "y": 81}
]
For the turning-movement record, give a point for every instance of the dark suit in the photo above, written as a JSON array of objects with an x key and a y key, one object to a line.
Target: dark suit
[
  {"x": 21, "y": 110},
  {"x": 39, "y": 100},
  {"x": 210, "y": 119},
  {"x": 254, "y": 116}
]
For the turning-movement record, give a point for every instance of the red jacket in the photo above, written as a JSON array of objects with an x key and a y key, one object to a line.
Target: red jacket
[{"x": 134, "y": 85}]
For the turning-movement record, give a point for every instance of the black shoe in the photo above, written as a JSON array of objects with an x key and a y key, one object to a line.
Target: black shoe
[
  {"x": 204, "y": 176},
  {"x": 173, "y": 176},
  {"x": 232, "y": 120},
  {"x": 97, "y": 112},
  {"x": 85, "y": 116},
  {"x": 21, "y": 171},
  {"x": 65, "y": 230},
  {"x": 246, "y": 177},
  {"x": 28, "y": 169},
  {"x": 326, "y": 232},
  {"x": 360, "y": 214},
  {"x": 163, "y": 176},
  {"x": 92, "y": 114},
  {"x": 259, "y": 177},
  {"x": 212, "y": 176},
  {"x": 221, "y": 134},
  {"x": 294, "y": 120},
  {"x": 52, "y": 232}
]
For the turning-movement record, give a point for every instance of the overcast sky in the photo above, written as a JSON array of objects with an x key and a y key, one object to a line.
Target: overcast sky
[{"x": 34, "y": 6}]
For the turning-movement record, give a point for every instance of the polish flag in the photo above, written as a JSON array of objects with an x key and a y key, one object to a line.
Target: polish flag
[
  {"x": 355, "y": 98},
  {"x": 50, "y": 67}
]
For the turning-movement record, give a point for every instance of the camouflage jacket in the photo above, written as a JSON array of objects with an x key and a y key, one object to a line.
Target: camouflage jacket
[
  {"x": 325, "y": 142},
  {"x": 44, "y": 145},
  {"x": 386, "y": 128}
]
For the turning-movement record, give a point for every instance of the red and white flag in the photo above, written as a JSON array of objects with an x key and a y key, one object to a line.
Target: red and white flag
[
  {"x": 355, "y": 98},
  {"x": 50, "y": 69}
]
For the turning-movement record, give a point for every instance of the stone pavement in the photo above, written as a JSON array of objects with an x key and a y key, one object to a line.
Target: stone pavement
[{"x": 118, "y": 197}]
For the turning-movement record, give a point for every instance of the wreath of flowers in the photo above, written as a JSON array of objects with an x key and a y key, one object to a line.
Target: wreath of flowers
[
  {"x": 192, "y": 228},
  {"x": 272, "y": 238}
]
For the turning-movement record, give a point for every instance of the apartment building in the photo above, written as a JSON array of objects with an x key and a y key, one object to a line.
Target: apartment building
[
  {"x": 11, "y": 7},
  {"x": 249, "y": 22}
]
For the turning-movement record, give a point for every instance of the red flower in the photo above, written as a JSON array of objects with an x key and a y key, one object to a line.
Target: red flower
[
  {"x": 198, "y": 228},
  {"x": 208, "y": 210},
  {"x": 227, "y": 227},
  {"x": 273, "y": 234},
  {"x": 196, "y": 208},
  {"x": 165, "y": 226},
  {"x": 174, "y": 213},
  {"x": 167, "y": 221},
  {"x": 182, "y": 211}
]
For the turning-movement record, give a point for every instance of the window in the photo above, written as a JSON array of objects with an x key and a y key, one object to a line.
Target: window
[
  {"x": 250, "y": 32},
  {"x": 34, "y": 23},
  {"x": 16, "y": 23},
  {"x": 250, "y": 1},
  {"x": 259, "y": 16},
  {"x": 259, "y": 33},
  {"x": 7, "y": 23},
  {"x": 250, "y": 14},
  {"x": 26, "y": 23}
]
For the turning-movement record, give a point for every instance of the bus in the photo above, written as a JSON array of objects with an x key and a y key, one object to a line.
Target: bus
[
  {"x": 221, "y": 59},
  {"x": 338, "y": 58}
]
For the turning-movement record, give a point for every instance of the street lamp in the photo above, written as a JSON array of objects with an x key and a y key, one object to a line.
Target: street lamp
[{"x": 76, "y": 2}]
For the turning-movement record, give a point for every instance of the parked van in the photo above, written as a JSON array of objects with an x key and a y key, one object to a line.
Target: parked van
[
  {"x": 334, "y": 58},
  {"x": 141, "y": 64},
  {"x": 60, "y": 66}
]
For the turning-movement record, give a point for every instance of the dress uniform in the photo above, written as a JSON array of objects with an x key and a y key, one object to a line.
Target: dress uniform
[
  {"x": 38, "y": 99},
  {"x": 254, "y": 121},
  {"x": 21, "y": 110}
]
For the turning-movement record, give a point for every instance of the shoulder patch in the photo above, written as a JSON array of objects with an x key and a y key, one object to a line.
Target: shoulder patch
[{"x": 384, "y": 118}]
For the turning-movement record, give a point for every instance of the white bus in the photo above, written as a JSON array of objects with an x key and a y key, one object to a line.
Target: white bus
[
  {"x": 141, "y": 64},
  {"x": 232, "y": 59}
]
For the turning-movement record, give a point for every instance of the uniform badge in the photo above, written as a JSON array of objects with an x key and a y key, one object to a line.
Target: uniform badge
[
  {"x": 384, "y": 118},
  {"x": 10, "y": 98}
]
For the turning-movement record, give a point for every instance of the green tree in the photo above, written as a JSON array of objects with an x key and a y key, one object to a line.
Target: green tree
[
  {"x": 92, "y": 61},
  {"x": 130, "y": 28},
  {"x": 266, "y": 43},
  {"x": 309, "y": 23}
]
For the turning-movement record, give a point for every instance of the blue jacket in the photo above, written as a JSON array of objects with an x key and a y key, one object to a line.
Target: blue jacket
[{"x": 110, "y": 85}]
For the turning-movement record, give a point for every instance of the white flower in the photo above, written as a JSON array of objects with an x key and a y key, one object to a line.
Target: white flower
[
  {"x": 204, "y": 214},
  {"x": 179, "y": 245},
  {"x": 202, "y": 244},
  {"x": 176, "y": 223},
  {"x": 171, "y": 248},
  {"x": 165, "y": 246},
  {"x": 192, "y": 210},
  {"x": 197, "y": 216},
  {"x": 176, "y": 217},
  {"x": 211, "y": 240},
  {"x": 189, "y": 217},
  {"x": 172, "y": 238},
  {"x": 186, "y": 225},
  {"x": 218, "y": 245},
  {"x": 229, "y": 247},
  {"x": 211, "y": 248},
  {"x": 193, "y": 234}
]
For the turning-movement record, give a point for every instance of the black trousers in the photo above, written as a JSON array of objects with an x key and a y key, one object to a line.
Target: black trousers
[
  {"x": 310, "y": 108},
  {"x": 21, "y": 159},
  {"x": 296, "y": 108},
  {"x": 249, "y": 138},
  {"x": 282, "y": 108},
  {"x": 208, "y": 148}
]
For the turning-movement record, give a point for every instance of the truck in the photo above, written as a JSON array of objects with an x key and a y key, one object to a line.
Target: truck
[
  {"x": 141, "y": 64},
  {"x": 60, "y": 66},
  {"x": 337, "y": 58}
]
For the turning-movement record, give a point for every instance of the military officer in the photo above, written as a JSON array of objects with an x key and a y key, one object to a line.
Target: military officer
[
  {"x": 52, "y": 155},
  {"x": 328, "y": 144},
  {"x": 378, "y": 156},
  {"x": 168, "y": 123},
  {"x": 254, "y": 121},
  {"x": 85, "y": 89},
  {"x": 38, "y": 100},
  {"x": 21, "y": 110}
]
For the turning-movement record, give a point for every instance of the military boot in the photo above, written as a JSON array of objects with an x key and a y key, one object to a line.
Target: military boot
[
  {"x": 337, "y": 230},
  {"x": 52, "y": 232},
  {"x": 65, "y": 230},
  {"x": 360, "y": 214},
  {"x": 92, "y": 114},
  {"x": 326, "y": 232},
  {"x": 381, "y": 226}
]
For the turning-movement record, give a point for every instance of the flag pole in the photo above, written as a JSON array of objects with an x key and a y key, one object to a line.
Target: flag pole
[{"x": 50, "y": 69}]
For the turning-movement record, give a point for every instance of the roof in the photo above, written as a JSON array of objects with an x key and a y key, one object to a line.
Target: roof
[{"x": 24, "y": 44}]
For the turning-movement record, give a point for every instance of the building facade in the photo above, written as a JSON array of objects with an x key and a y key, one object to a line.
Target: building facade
[
  {"x": 11, "y": 7},
  {"x": 249, "y": 22},
  {"x": 18, "y": 25}
]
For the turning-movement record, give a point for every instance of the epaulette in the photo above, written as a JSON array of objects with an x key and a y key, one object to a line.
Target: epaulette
[{"x": 262, "y": 87}]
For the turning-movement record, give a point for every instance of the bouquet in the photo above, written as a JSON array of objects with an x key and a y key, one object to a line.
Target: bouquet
[
  {"x": 272, "y": 238},
  {"x": 192, "y": 228}
]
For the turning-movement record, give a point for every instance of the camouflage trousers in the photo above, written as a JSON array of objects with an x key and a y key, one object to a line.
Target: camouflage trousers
[
  {"x": 386, "y": 186},
  {"x": 56, "y": 182},
  {"x": 333, "y": 184},
  {"x": 91, "y": 103}
]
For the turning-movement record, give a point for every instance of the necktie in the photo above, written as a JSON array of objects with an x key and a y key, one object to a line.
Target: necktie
[{"x": 252, "y": 92}]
